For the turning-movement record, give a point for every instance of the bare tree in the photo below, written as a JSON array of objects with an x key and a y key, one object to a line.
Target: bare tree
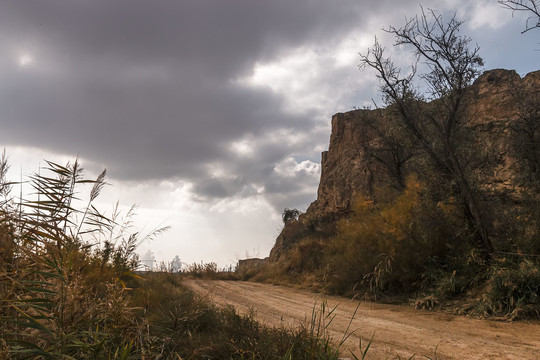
[
  {"x": 435, "y": 118},
  {"x": 390, "y": 146},
  {"x": 530, "y": 6}
]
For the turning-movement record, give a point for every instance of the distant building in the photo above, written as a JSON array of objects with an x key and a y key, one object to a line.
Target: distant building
[
  {"x": 147, "y": 261},
  {"x": 176, "y": 264}
]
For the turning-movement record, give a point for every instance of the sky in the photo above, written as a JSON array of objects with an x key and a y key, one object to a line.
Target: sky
[{"x": 209, "y": 115}]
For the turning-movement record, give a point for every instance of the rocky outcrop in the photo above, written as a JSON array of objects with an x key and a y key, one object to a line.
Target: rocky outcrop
[
  {"x": 495, "y": 105},
  {"x": 247, "y": 268},
  {"x": 249, "y": 264},
  {"x": 346, "y": 170}
]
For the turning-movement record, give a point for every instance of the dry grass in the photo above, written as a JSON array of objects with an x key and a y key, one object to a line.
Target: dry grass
[
  {"x": 411, "y": 247},
  {"x": 68, "y": 289}
]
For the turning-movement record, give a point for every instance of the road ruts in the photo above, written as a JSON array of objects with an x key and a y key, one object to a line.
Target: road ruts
[{"x": 397, "y": 330}]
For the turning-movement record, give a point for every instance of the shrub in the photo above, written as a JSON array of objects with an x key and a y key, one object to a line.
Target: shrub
[
  {"x": 389, "y": 246},
  {"x": 202, "y": 270},
  {"x": 513, "y": 290},
  {"x": 289, "y": 215}
]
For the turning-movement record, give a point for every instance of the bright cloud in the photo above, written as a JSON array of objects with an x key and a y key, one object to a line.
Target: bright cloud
[
  {"x": 242, "y": 148},
  {"x": 290, "y": 168},
  {"x": 25, "y": 60},
  {"x": 486, "y": 13}
]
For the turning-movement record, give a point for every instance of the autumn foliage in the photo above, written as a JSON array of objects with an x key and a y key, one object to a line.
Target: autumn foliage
[{"x": 389, "y": 246}]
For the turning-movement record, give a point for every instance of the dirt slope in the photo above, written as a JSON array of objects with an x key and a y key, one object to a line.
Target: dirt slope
[{"x": 399, "y": 330}]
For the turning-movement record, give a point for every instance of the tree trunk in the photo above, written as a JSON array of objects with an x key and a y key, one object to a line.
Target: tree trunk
[{"x": 473, "y": 208}]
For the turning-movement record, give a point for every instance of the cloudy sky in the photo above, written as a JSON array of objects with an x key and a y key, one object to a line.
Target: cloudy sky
[{"x": 211, "y": 114}]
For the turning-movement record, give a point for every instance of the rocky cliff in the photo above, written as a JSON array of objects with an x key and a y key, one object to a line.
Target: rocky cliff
[{"x": 496, "y": 105}]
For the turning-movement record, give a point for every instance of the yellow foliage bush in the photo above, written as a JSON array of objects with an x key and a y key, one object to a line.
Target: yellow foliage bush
[{"x": 399, "y": 237}]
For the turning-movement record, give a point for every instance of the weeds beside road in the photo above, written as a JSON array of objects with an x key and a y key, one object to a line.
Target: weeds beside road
[{"x": 68, "y": 288}]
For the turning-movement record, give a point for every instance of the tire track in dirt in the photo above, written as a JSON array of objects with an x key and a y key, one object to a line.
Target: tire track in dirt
[{"x": 398, "y": 330}]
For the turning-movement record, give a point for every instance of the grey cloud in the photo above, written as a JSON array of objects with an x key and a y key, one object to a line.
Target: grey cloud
[
  {"x": 149, "y": 89},
  {"x": 218, "y": 187},
  {"x": 145, "y": 89},
  {"x": 292, "y": 192},
  {"x": 149, "y": 82},
  {"x": 222, "y": 36}
]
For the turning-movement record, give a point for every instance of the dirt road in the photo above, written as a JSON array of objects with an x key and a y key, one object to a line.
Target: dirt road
[{"x": 398, "y": 330}]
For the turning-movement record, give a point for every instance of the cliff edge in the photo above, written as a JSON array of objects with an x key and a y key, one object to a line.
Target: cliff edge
[{"x": 348, "y": 170}]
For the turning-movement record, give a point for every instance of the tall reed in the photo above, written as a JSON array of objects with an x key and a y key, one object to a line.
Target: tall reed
[
  {"x": 68, "y": 289},
  {"x": 61, "y": 269}
]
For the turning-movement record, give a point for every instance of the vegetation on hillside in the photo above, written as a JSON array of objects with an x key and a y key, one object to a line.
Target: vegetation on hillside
[
  {"x": 439, "y": 231},
  {"x": 69, "y": 290}
]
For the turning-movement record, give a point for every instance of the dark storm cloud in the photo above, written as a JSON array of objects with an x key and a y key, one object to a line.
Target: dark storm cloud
[
  {"x": 150, "y": 89},
  {"x": 147, "y": 87}
]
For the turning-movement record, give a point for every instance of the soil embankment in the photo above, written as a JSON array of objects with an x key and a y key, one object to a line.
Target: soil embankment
[{"x": 397, "y": 330}]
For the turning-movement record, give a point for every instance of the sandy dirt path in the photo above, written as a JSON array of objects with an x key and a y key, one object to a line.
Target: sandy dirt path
[{"x": 398, "y": 330}]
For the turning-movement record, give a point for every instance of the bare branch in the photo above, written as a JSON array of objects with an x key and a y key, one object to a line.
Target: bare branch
[
  {"x": 436, "y": 127},
  {"x": 531, "y": 6}
]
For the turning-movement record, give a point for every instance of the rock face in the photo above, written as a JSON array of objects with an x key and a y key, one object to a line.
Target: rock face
[{"x": 346, "y": 169}]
